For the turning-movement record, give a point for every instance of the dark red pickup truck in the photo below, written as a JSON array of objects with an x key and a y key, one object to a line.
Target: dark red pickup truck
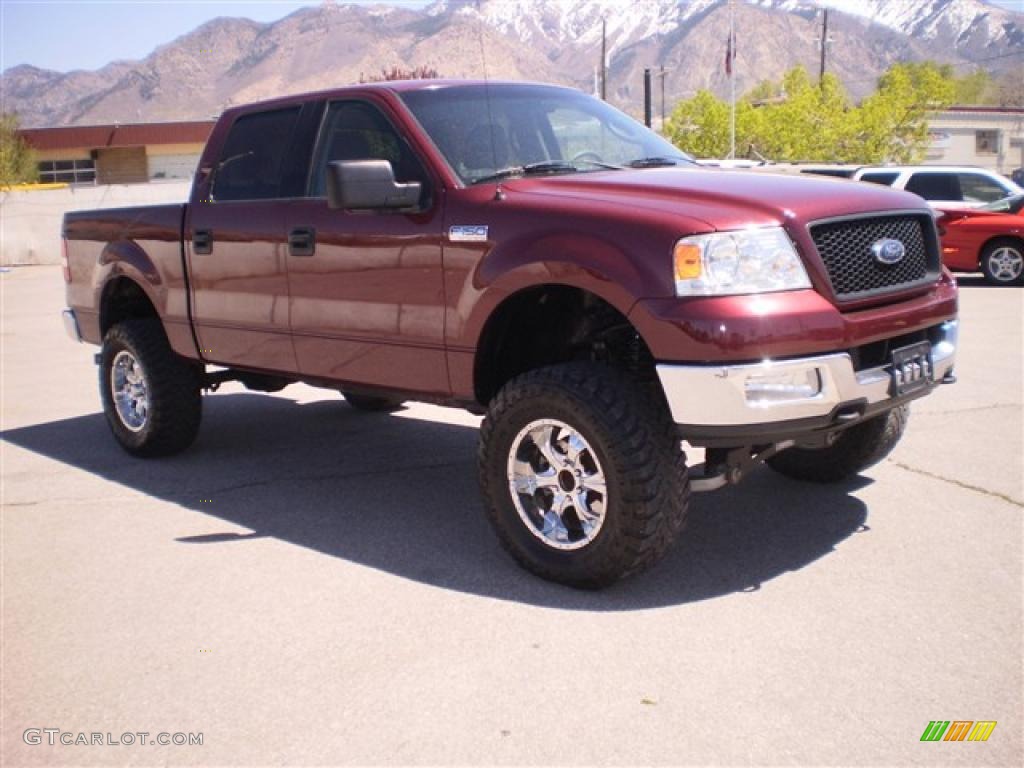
[{"x": 530, "y": 253}]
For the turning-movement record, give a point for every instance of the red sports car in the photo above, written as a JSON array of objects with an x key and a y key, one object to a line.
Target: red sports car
[{"x": 990, "y": 239}]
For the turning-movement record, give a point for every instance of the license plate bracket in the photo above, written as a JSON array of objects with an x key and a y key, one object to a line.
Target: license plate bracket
[{"x": 912, "y": 368}]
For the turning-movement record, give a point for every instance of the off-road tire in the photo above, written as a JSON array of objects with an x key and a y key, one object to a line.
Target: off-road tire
[
  {"x": 633, "y": 436},
  {"x": 173, "y": 384},
  {"x": 854, "y": 450},
  {"x": 371, "y": 404},
  {"x": 989, "y": 270}
]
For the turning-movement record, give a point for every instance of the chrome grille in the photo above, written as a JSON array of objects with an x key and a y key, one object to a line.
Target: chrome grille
[{"x": 845, "y": 248}]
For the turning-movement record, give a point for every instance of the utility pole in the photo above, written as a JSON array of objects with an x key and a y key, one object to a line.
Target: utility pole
[
  {"x": 647, "y": 97},
  {"x": 824, "y": 44},
  {"x": 731, "y": 60},
  {"x": 661, "y": 73},
  {"x": 604, "y": 61}
]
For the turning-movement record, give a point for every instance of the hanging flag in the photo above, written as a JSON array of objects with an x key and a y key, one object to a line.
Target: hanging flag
[{"x": 730, "y": 53}]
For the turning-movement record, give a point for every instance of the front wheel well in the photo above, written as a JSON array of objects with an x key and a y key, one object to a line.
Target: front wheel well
[
  {"x": 124, "y": 299},
  {"x": 552, "y": 324}
]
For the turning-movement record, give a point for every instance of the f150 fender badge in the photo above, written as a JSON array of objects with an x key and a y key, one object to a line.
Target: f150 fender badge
[
  {"x": 468, "y": 233},
  {"x": 888, "y": 251}
]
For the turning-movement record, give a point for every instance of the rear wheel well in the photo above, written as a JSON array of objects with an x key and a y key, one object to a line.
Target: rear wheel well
[
  {"x": 123, "y": 299},
  {"x": 553, "y": 324}
]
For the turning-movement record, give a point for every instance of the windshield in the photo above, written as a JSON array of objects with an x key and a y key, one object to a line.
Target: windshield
[
  {"x": 1011, "y": 204},
  {"x": 491, "y": 132}
]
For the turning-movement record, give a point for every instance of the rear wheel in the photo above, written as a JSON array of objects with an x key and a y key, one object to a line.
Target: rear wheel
[
  {"x": 854, "y": 450},
  {"x": 1002, "y": 262},
  {"x": 151, "y": 396},
  {"x": 372, "y": 404},
  {"x": 583, "y": 478}
]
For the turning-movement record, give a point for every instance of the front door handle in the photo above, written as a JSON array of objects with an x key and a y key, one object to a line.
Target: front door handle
[
  {"x": 302, "y": 241},
  {"x": 202, "y": 241}
]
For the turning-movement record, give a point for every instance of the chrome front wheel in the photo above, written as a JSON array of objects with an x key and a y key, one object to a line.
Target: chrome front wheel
[
  {"x": 557, "y": 484},
  {"x": 582, "y": 477}
]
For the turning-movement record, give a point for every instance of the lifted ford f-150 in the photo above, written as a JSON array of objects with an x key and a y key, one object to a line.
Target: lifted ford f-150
[{"x": 530, "y": 253}]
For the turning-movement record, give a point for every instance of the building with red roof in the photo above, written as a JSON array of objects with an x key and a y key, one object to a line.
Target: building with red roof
[{"x": 118, "y": 153}]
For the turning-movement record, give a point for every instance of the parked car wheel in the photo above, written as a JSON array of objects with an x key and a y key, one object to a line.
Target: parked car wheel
[
  {"x": 853, "y": 451},
  {"x": 151, "y": 397},
  {"x": 1002, "y": 261},
  {"x": 371, "y": 404},
  {"x": 583, "y": 478}
]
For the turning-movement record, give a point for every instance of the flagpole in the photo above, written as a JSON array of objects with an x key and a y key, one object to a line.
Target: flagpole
[{"x": 732, "y": 79}]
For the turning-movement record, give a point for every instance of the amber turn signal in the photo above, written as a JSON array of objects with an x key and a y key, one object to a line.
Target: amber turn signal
[{"x": 687, "y": 261}]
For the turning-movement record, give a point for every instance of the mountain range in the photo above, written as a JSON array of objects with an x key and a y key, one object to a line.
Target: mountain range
[{"x": 235, "y": 60}]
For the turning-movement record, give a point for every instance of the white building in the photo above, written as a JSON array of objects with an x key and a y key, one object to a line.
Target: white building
[{"x": 989, "y": 137}]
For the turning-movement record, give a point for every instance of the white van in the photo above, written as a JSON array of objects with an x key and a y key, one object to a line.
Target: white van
[{"x": 943, "y": 186}]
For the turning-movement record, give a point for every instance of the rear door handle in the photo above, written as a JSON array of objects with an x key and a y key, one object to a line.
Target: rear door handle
[
  {"x": 202, "y": 241},
  {"x": 302, "y": 241}
]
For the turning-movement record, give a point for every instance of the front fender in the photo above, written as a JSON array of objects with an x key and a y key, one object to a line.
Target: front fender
[{"x": 568, "y": 259}]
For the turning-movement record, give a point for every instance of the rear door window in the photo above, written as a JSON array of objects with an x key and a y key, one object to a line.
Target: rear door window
[
  {"x": 885, "y": 179},
  {"x": 935, "y": 186},
  {"x": 977, "y": 188},
  {"x": 251, "y": 164}
]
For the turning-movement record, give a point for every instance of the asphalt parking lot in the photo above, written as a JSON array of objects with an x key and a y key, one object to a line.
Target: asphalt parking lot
[{"x": 311, "y": 585}]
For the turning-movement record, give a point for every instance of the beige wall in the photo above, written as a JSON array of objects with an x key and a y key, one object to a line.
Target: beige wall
[
  {"x": 30, "y": 221},
  {"x": 79, "y": 153},
  {"x": 955, "y": 140},
  {"x": 174, "y": 149},
  {"x": 121, "y": 165},
  {"x": 172, "y": 160}
]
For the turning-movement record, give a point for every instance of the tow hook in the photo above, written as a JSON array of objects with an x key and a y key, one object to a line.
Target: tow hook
[{"x": 729, "y": 466}]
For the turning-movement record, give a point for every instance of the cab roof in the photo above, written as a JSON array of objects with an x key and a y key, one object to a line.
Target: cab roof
[{"x": 392, "y": 86}]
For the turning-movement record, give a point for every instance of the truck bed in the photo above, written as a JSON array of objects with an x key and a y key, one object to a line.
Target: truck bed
[{"x": 143, "y": 244}]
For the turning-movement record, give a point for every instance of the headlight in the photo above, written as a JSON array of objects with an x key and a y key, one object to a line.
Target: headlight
[{"x": 746, "y": 261}]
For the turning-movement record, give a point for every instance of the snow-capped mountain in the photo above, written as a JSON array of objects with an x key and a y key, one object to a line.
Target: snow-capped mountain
[
  {"x": 548, "y": 40},
  {"x": 627, "y": 21},
  {"x": 931, "y": 19},
  {"x": 578, "y": 21}
]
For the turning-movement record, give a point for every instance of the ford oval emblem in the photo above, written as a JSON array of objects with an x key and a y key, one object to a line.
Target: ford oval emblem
[{"x": 888, "y": 251}]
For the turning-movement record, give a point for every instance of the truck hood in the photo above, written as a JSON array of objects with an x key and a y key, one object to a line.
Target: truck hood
[{"x": 722, "y": 199}]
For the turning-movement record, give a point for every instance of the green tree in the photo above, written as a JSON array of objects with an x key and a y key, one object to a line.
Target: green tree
[
  {"x": 766, "y": 90},
  {"x": 974, "y": 88},
  {"x": 422, "y": 72},
  {"x": 893, "y": 121},
  {"x": 700, "y": 126},
  {"x": 800, "y": 120},
  {"x": 17, "y": 160}
]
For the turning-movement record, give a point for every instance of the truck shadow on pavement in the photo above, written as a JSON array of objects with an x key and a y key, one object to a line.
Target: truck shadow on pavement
[{"x": 400, "y": 495}]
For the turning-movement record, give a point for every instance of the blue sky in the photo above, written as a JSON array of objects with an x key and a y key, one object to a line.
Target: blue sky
[{"x": 86, "y": 34}]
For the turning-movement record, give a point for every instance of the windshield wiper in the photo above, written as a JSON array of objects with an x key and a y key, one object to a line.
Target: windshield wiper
[
  {"x": 656, "y": 162},
  {"x": 528, "y": 170}
]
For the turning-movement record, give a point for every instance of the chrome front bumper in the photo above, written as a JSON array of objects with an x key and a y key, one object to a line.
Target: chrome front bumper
[
  {"x": 71, "y": 324},
  {"x": 730, "y": 396}
]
